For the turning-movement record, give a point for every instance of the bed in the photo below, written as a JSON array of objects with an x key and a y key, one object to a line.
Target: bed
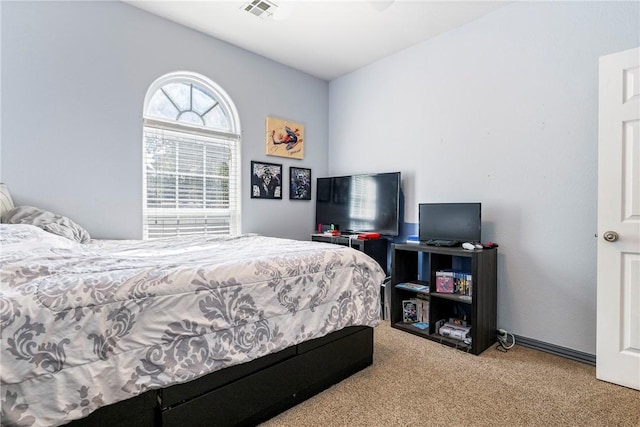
[{"x": 187, "y": 331}]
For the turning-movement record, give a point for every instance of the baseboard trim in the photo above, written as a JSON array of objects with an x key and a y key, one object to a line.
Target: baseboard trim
[{"x": 579, "y": 356}]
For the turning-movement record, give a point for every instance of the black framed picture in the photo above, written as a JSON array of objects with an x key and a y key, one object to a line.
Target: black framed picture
[
  {"x": 299, "y": 183},
  {"x": 266, "y": 180}
]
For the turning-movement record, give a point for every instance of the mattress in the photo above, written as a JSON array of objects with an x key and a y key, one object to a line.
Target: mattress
[{"x": 87, "y": 325}]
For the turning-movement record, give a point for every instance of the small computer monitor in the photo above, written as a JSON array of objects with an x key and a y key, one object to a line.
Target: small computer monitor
[{"x": 459, "y": 222}]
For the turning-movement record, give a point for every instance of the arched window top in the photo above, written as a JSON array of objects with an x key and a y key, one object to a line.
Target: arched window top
[
  {"x": 190, "y": 99},
  {"x": 191, "y": 158}
]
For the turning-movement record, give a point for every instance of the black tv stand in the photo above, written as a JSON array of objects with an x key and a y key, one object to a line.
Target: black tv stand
[
  {"x": 440, "y": 242},
  {"x": 375, "y": 248}
]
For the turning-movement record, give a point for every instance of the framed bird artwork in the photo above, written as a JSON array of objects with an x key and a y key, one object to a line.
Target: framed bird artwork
[{"x": 285, "y": 138}]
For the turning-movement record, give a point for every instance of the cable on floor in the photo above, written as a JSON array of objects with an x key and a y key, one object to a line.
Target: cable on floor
[{"x": 503, "y": 341}]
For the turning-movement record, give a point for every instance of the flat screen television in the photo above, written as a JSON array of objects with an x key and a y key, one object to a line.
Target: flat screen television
[
  {"x": 453, "y": 222},
  {"x": 359, "y": 203}
]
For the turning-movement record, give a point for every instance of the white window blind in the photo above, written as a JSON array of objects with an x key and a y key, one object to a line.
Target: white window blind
[
  {"x": 191, "y": 159},
  {"x": 190, "y": 184}
]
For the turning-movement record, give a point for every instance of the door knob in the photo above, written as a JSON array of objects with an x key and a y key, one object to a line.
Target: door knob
[{"x": 610, "y": 236}]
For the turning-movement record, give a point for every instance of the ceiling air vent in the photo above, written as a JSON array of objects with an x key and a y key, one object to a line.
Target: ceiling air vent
[{"x": 260, "y": 8}]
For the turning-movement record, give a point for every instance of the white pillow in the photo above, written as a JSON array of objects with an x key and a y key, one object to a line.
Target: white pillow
[{"x": 6, "y": 202}]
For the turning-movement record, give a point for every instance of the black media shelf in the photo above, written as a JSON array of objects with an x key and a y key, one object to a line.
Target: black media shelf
[{"x": 480, "y": 307}]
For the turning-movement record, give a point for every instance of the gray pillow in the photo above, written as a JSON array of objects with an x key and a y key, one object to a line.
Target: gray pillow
[
  {"x": 48, "y": 221},
  {"x": 6, "y": 202}
]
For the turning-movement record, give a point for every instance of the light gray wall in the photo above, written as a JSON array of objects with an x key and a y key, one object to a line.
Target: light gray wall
[
  {"x": 74, "y": 76},
  {"x": 503, "y": 111}
]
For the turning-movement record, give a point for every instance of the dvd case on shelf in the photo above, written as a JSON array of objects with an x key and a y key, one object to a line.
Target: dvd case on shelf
[{"x": 409, "y": 310}]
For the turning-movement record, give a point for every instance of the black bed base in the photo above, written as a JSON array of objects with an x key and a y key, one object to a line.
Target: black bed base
[{"x": 246, "y": 394}]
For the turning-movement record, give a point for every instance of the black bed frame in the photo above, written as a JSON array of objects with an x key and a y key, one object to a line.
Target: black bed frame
[{"x": 246, "y": 394}]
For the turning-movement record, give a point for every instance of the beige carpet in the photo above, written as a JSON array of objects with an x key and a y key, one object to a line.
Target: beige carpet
[{"x": 416, "y": 382}]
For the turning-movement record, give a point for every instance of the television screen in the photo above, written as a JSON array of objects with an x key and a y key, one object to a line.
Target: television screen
[
  {"x": 459, "y": 222},
  {"x": 360, "y": 203}
]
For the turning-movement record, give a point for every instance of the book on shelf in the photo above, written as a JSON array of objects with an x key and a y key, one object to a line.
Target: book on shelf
[
  {"x": 414, "y": 286},
  {"x": 410, "y": 310},
  {"x": 444, "y": 283},
  {"x": 422, "y": 308},
  {"x": 453, "y": 281}
]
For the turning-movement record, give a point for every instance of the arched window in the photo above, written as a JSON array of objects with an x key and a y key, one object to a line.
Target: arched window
[{"x": 191, "y": 158}]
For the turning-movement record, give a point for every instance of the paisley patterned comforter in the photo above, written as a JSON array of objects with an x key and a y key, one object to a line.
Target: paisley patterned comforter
[{"x": 87, "y": 325}]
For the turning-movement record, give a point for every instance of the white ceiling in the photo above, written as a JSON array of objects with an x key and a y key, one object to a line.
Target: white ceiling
[{"x": 326, "y": 39}]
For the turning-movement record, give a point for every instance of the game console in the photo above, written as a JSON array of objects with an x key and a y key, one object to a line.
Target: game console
[{"x": 457, "y": 332}]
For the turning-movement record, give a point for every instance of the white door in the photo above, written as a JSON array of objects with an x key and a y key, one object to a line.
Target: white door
[{"x": 618, "y": 304}]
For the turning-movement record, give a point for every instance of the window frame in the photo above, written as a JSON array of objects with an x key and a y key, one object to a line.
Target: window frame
[{"x": 232, "y": 135}]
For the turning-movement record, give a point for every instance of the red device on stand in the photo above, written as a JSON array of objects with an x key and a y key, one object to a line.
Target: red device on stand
[{"x": 368, "y": 236}]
